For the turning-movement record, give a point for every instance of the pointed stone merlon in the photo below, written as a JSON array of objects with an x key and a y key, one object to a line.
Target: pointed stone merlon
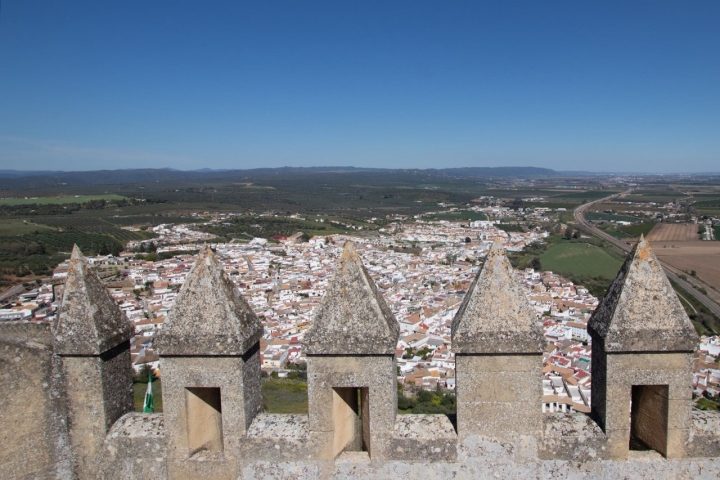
[
  {"x": 209, "y": 317},
  {"x": 497, "y": 335},
  {"x": 352, "y": 385},
  {"x": 641, "y": 311},
  {"x": 91, "y": 337},
  {"x": 89, "y": 321},
  {"x": 642, "y": 349},
  {"x": 210, "y": 360},
  {"x": 495, "y": 316},
  {"x": 352, "y": 318}
]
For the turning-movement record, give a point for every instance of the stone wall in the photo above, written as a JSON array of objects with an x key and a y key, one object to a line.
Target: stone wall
[
  {"x": 34, "y": 441},
  {"x": 66, "y": 412}
]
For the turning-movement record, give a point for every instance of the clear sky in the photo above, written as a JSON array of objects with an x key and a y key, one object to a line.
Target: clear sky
[{"x": 569, "y": 85}]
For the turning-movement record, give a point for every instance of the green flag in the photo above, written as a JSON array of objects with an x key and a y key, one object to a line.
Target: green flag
[{"x": 149, "y": 406}]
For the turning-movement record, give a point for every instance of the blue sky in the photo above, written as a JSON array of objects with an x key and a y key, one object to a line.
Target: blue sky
[{"x": 576, "y": 85}]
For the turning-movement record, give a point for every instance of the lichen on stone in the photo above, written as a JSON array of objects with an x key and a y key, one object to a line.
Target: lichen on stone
[
  {"x": 89, "y": 321},
  {"x": 352, "y": 318},
  {"x": 495, "y": 316},
  {"x": 641, "y": 311},
  {"x": 209, "y": 317}
]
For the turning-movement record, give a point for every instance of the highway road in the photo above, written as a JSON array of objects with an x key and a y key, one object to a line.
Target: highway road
[{"x": 579, "y": 214}]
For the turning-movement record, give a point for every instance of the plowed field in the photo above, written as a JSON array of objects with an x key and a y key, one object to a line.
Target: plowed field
[
  {"x": 673, "y": 232},
  {"x": 703, "y": 257}
]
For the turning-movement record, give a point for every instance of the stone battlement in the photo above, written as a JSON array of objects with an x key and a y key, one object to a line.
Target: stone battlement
[{"x": 66, "y": 410}]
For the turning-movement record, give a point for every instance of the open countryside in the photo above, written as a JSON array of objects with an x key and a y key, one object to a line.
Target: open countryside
[
  {"x": 700, "y": 257},
  {"x": 20, "y": 227},
  {"x": 58, "y": 200}
]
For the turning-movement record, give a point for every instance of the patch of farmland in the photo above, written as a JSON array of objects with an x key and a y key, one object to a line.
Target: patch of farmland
[
  {"x": 20, "y": 227},
  {"x": 580, "y": 259},
  {"x": 639, "y": 229},
  {"x": 58, "y": 200},
  {"x": 703, "y": 257},
  {"x": 673, "y": 232},
  {"x": 608, "y": 217}
]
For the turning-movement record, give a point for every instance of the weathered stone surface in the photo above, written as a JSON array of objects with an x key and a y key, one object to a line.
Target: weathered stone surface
[
  {"x": 268, "y": 425},
  {"x": 241, "y": 401},
  {"x": 278, "y": 438},
  {"x": 641, "y": 311},
  {"x": 614, "y": 375},
  {"x": 704, "y": 438},
  {"x": 139, "y": 425},
  {"x": 498, "y": 461},
  {"x": 423, "y": 438},
  {"x": 89, "y": 321},
  {"x": 136, "y": 447},
  {"x": 495, "y": 316},
  {"x": 376, "y": 376},
  {"x": 209, "y": 317},
  {"x": 34, "y": 442},
  {"x": 488, "y": 404},
  {"x": 571, "y": 436},
  {"x": 352, "y": 318},
  {"x": 99, "y": 391}
]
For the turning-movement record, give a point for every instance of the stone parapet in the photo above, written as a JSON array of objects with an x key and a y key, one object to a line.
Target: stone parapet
[
  {"x": 136, "y": 447},
  {"x": 67, "y": 397},
  {"x": 423, "y": 438}
]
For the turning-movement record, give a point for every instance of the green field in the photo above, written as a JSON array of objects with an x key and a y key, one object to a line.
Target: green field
[
  {"x": 616, "y": 233},
  {"x": 58, "y": 200},
  {"x": 636, "y": 230},
  {"x": 713, "y": 203},
  {"x": 647, "y": 198},
  {"x": 580, "y": 259},
  {"x": 284, "y": 396},
  {"x": 20, "y": 227}
]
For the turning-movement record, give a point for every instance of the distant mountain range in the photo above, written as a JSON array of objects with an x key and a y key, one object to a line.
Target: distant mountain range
[{"x": 29, "y": 178}]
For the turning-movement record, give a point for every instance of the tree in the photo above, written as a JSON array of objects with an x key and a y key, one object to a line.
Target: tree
[
  {"x": 142, "y": 375},
  {"x": 424, "y": 396},
  {"x": 568, "y": 233},
  {"x": 467, "y": 240},
  {"x": 405, "y": 403},
  {"x": 536, "y": 264}
]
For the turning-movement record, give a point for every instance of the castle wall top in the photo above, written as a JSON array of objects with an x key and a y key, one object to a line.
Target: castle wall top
[
  {"x": 89, "y": 321},
  {"x": 352, "y": 318},
  {"x": 641, "y": 311},
  {"x": 495, "y": 316},
  {"x": 209, "y": 317}
]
